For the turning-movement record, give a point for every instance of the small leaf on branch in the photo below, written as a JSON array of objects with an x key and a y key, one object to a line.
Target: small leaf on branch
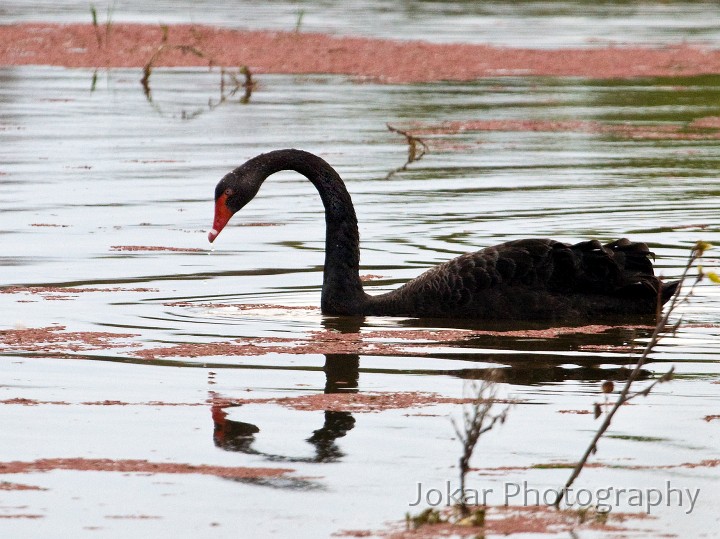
[{"x": 701, "y": 247}]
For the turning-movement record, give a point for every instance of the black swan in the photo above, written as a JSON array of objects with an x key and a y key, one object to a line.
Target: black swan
[{"x": 529, "y": 279}]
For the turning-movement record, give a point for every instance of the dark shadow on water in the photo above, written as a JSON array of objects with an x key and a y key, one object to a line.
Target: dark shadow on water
[
  {"x": 284, "y": 483},
  {"x": 601, "y": 341},
  {"x": 545, "y": 374},
  {"x": 500, "y": 326}
]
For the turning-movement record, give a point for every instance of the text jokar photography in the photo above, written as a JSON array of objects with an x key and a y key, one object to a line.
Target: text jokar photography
[{"x": 604, "y": 499}]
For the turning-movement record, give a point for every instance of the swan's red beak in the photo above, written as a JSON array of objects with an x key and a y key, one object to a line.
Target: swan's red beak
[{"x": 222, "y": 216}]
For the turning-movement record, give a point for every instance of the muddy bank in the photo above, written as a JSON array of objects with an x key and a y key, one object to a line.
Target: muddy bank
[{"x": 132, "y": 45}]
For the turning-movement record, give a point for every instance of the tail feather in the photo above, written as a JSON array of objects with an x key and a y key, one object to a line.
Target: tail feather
[
  {"x": 667, "y": 290},
  {"x": 636, "y": 255},
  {"x": 621, "y": 268}
]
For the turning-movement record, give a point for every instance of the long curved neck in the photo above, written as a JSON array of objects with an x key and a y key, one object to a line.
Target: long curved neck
[{"x": 342, "y": 291}]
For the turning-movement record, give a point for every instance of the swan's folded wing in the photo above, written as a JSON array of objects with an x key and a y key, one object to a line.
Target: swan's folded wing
[{"x": 535, "y": 278}]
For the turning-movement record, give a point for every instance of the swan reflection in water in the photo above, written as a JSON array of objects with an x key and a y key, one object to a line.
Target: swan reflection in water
[
  {"x": 529, "y": 279},
  {"x": 232, "y": 435},
  {"x": 342, "y": 373}
]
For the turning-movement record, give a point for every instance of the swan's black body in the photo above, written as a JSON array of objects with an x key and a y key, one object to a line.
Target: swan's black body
[{"x": 529, "y": 279}]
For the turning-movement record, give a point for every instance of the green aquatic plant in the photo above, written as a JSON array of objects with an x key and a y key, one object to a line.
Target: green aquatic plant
[
  {"x": 428, "y": 516},
  {"x": 474, "y": 518},
  {"x": 101, "y": 35},
  {"x": 93, "y": 12},
  {"x": 552, "y": 466}
]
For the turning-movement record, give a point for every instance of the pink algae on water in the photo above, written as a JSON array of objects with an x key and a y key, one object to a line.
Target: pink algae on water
[
  {"x": 137, "y": 466},
  {"x": 56, "y": 339},
  {"x": 153, "y": 248},
  {"x": 55, "y": 293},
  {"x": 21, "y": 401},
  {"x": 504, "y": 520},
  {"x": 395, "y": 342},
  {"x": 384, "y": 60},
  {"x": 350, "y": 402},
  {"x": 700, "y": 129},
  {"x": 5, "y": 485}
]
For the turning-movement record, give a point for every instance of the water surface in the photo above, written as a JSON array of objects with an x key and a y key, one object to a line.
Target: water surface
[
  {"x": 532, "y": 24},
  {"x": 84, "y": 172}
]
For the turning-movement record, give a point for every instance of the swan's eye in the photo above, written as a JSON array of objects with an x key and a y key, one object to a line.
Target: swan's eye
[{"x": 229, "y": 192}]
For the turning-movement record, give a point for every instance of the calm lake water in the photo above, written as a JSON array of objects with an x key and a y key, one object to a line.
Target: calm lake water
[
  {"x": 532, "y": 24},
  {"x": 88, "y": 164}
]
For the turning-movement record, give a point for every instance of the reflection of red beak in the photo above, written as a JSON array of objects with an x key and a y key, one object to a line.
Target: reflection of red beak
[{"x": 222, "y": 216}]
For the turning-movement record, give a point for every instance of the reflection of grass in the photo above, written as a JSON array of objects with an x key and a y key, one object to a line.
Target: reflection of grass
[
  {"x": 636, "y": 438},
  {"x": 230, "y": 81},
  {"x": 298, "y": 21},
  {"x": 553, "y": 466},
  {"x": 164, "y": 46},
  {"x": 102, "y": 39},
  {"x": 656, "y": 99}
]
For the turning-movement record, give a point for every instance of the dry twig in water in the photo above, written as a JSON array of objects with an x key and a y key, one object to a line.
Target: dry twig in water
[
  {"x": 416, "y": 148},
  {"x": 477, "y": 420}
]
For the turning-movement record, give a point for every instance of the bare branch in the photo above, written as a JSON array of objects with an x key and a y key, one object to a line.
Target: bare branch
[
  {"x": 625, "y": 395},
  {"x": 477, "y": 420},
  {"x": 416, "y": 148}
]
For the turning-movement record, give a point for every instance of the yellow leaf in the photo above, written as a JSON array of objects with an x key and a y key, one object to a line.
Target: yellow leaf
[
  {"x": 701, "y": 247},
  {"x": 714, "y": 277}
]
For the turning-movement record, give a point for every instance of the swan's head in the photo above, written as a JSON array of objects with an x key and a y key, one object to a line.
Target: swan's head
[{"x": 231, "y": 194}]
